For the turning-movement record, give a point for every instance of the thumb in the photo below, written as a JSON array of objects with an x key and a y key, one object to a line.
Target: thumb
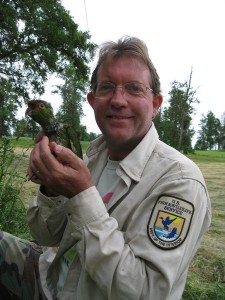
[{"x": 39, "y": 136}]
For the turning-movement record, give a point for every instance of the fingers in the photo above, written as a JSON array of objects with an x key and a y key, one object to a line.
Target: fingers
[
  {"x": 58, "y": 168},
  {"x": 33, "y": 176},
  {"x": 35, "y": 160},
  {"x": 65, "y": 155},
  {"x": 39, "y": 136},
  {"x": 37, "y": 167}
]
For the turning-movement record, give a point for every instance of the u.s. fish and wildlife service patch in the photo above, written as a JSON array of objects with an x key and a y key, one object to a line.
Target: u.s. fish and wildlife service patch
[{"x": 170, "y": 221}]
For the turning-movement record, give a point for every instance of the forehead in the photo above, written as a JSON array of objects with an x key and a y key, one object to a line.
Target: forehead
[{"x": 124, "y": 68}]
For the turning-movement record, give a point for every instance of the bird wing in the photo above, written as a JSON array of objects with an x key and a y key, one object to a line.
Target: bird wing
[{"x": 71, "y": 140}]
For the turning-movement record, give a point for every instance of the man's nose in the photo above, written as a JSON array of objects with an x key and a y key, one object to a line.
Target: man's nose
[{"x": 118, "y": 97}]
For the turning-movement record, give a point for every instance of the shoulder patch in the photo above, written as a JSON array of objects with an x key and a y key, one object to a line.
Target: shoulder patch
[{"x": 170, "y": 221}]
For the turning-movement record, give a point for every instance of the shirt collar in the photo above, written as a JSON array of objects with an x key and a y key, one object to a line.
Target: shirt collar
[{"x": 134, "y": 163}]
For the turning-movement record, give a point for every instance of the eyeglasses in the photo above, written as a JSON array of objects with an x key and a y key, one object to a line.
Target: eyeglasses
[{"x": 130, "y": 90}]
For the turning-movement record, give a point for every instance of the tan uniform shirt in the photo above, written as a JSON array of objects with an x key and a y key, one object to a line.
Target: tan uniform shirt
[{"x": 139, "y": 244}]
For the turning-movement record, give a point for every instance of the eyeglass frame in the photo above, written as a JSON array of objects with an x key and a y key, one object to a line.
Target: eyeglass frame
[{"x": 122, "y": 87}]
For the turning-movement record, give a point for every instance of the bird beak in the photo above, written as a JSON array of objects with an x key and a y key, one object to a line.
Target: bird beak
[{"x": 28, "y": 112}]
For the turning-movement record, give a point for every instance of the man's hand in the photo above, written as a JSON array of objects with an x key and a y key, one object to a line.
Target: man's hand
[{"x": 58, "y": 169}]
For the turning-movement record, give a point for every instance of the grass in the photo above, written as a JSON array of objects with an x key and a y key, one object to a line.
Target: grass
[
  {"x": 26, "y": 142},
  {"x": 208, "y": 156},
  {"x": 22, "y": 142},
  {"x": 206, "y": 277}
]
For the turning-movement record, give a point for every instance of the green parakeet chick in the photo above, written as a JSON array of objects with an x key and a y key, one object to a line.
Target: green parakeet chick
[{"x": 42, "y": 113}]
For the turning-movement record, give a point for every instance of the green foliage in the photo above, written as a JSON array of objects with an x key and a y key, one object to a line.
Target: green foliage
[
  {"x": 26, "y": 127},
  {"x": 174, "y": 122},
  {"x": 38, "y": 38},
  {"x": 211, "y": 133},
  {"x": 73, "y": 94},
  {"x": 12, "y": 209},
  {"x": 8, "y": 108}
]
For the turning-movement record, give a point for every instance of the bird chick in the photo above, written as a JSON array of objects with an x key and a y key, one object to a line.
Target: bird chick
[{"x": 42, "y": 113}]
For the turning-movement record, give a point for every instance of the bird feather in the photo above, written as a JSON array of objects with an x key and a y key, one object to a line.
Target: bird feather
[{"x": 42, "y": 113}]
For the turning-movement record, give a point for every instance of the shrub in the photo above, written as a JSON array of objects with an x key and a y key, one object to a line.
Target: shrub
[{"x": 12, "y": 209}]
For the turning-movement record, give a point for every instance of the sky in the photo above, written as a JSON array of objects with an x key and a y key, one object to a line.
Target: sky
[{"x": 180, "y": 35}]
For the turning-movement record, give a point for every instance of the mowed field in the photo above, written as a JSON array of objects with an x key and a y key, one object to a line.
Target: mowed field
[{"x": 206, "y": 279}]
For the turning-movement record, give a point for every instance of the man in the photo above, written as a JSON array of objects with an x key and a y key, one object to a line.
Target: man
[{"x": 127, "y": 225}]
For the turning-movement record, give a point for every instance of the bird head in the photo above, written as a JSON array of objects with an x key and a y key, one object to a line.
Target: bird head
[{"x": 40, "y": 111}]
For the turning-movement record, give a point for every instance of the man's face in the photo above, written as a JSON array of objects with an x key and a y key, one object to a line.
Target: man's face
[{"x": 124, "y": 122}]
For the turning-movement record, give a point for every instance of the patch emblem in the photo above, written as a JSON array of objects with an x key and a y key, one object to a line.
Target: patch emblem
[{"x": 170, "y": 221}]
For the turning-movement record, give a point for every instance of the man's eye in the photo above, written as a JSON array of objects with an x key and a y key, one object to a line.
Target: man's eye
[
  {"x": 134, "y": 88},
  {"x": 105, "y": 88}
]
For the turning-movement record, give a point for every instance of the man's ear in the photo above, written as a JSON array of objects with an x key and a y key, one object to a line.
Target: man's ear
[
  {"x": 91, "y": 99},
  {"x": 157, "y": 102}
]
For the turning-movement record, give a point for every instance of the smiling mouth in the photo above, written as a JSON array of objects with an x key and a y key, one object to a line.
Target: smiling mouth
[{"x": 118, "y": 117}]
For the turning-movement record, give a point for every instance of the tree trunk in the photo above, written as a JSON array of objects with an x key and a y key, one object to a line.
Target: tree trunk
[
  {"x": 1, "y": 128},
  {"x": 183, "y": 113}
]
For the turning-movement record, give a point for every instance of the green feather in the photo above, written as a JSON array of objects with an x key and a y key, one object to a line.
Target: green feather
[{"x": 42, "y": 113}]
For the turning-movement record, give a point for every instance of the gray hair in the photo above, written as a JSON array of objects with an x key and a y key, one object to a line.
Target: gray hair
[{"x": 126, "y": 46}]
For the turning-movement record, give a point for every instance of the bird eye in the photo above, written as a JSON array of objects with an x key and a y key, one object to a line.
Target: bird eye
[{"x": 42, "y": 105}]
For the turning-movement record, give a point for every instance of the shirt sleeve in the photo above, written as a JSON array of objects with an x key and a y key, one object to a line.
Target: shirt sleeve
[
  {"x": 47, "y": 219},
  {"x": 48, "y": 216}
]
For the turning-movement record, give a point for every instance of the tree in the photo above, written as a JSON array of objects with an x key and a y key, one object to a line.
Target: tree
[
  {"x": 26, "y": 127},
  {"x": 39, "y": 38},
  {"x": 7, "y": 109},
  {"x": 158, "y": 122},
  {"x": 223, "y": 131},
  {"x": 72, "y": 93},
  {"x": 218, "y": 133},
  {"x": 201, "y": 143},
  {"x": 211, "y": 128},
  {"x": 210, "y": 132},
  {"x": 174, "y": 121}
]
